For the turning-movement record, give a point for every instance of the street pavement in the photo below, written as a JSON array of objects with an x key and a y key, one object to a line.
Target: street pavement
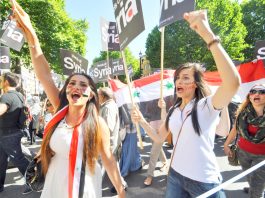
[{"x": 14, "y": 181}]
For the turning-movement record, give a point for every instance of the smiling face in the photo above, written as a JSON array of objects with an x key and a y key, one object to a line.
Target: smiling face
[
  {"x": 78, "y": 91},
  {"x": 185, "y": 84}
]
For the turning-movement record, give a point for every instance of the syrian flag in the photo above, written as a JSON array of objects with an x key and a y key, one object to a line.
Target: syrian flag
[{"x": 146, "y": 91}]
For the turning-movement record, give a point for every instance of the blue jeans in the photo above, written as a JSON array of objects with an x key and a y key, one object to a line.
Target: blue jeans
[
  {"x": 10, "y": 146},
  {"x": 179, "y": 186}
]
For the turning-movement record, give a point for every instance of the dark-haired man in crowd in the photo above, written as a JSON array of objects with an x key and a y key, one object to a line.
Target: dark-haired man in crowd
[{"x": 10, "y": 132}]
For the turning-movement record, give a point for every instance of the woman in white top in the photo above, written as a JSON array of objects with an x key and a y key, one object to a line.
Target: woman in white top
[
  {"x": 194, "y": 117},
  {"x": 76, "y": 135}
]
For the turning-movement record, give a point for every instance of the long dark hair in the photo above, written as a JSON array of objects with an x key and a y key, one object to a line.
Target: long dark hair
[
  {"x": 201, "y": 91},
  {"x": 90, "y": 127}
]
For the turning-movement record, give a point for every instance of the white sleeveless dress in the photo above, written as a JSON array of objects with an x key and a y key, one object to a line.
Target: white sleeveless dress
[{"x": 56, "y": 181}]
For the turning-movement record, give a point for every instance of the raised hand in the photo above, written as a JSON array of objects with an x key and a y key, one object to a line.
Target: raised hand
[
  {"x": 136, "y": 115},
  {"x": 199, "y": 23},
  {"x": 161, "y": 103},
  {"x": 23, "y": 21}
]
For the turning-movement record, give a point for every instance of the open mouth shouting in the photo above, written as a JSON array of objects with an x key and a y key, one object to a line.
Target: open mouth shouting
[
  {"x": 180, "y": 89},
  {"x": 75, "y": 96}
]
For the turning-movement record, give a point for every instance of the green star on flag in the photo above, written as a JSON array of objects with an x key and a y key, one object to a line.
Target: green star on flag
[
  {"x": 136, "y": 94},
  {"x": 169, "y": 85}
]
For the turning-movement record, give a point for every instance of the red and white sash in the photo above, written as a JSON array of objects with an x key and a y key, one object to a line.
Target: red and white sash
[{"x": 75, "y": 154}]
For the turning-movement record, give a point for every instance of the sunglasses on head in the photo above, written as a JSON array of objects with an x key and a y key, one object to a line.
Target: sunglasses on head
[{"x": 255, "y": 91}]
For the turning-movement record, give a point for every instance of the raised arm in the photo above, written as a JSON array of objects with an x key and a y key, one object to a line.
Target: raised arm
[
  {"x": 40, "y": 64},
  {"x": 230, "y": 77}
]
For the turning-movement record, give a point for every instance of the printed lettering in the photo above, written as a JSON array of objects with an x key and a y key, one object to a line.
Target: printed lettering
[
  {"x": 126, "y": 13},
  {"x": 261, "y": 53},
  {"x": 70, "y": 64},
  {"x": 15, "y": 35},
  {"x": 4, "y": 59},
  {"x": 165, "y": 3}
]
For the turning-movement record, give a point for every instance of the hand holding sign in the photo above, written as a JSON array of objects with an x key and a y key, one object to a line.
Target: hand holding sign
[
  {"x": 23, "y": 21},
  {"x": 199, "y": 23}
]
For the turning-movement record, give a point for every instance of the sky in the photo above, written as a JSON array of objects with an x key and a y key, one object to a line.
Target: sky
[{"x": 92, "y": 10}]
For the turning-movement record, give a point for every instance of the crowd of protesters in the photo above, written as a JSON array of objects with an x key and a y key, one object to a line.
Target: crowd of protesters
[{"x": 108, "y": 135}]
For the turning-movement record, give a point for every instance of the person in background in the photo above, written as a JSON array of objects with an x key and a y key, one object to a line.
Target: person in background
[
  {"x": 130, "y": 156},
  {"x": 35, "y": 109},
  {"x": 49, "y": 112},
  {"x": 194, "y": 117},
  {"x": 10, "y": 133},
  {"x": 250, "y": 126},
  {"x": 110, "y": 113},
  {"x": 45, "y": 116},
  {"x": 76, "y": 136},
  {"x": 157, "y": 151}
]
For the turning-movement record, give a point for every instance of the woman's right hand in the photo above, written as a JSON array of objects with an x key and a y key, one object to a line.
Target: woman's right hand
[
  {"x": 23, "y": 21},
  {"x": 227, "y": 151}
]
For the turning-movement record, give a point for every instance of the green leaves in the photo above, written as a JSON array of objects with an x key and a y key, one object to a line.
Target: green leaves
[
  {"x": 184, "y": 45},
  {"x": 254, "y": 20},
  {"x": 55, "y": 30}
]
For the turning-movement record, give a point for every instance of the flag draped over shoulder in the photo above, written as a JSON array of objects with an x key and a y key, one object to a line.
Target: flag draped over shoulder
[{"x": 146, "y": 91}]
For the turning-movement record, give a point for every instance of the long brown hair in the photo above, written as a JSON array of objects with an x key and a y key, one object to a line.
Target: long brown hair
[
  {"x": 201, "y": 91},
  {"x": 90, "y": 128},
  {"x": 243, "y": 105}
]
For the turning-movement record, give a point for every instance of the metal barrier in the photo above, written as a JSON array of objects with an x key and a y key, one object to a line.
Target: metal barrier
[{"x": 232, "y": 180}]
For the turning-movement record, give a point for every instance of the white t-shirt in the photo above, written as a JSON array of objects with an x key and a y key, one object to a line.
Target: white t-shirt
[{"x": 194, "y": 157}]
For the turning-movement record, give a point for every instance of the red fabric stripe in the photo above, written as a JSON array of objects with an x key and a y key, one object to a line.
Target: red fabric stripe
[
  {"x": 249, "y": 72},
  {"x": 72, "y": 161},
  {"x": 252, "y": 71},
  {"x": 58, "y": 117},
  {"x": 153, "y": 78}
]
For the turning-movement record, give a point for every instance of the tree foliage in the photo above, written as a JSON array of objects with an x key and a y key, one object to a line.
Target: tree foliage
[
  {"x": 183, "y": 45},
  {"x": 254, "y": 20},
  {"x": 55, "y": 30}
]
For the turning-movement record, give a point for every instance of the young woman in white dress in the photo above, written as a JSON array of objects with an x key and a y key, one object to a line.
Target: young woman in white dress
[{"x": 76, "y": 133}]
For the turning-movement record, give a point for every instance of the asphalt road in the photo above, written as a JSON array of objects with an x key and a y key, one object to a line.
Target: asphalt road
[{"x": 14, "y": 181}]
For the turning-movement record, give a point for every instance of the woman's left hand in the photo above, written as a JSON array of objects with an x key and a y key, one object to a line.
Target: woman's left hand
[{"x": 199, "y": 22}]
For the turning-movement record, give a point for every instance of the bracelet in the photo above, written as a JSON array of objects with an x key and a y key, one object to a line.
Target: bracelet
[
  {"x": 32, "y": 46},
  {"x": 215, "y": 40}
]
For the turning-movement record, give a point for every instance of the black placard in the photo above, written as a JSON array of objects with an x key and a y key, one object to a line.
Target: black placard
[
  {"x": 173, "y": 10},
  {"x": 72, "y": 62},
  {"x": 100, "y": 70},
  {"x": 259, "y": 52},
  {"x": 109, "y": 36},
  {"x": 129, "y": 19},
  {"x": 11, "y": 35},
  {"x": 4, "y": 57}
]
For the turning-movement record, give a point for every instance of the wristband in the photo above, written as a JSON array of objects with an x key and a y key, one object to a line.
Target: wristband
[{"x": 215, "y": 40}]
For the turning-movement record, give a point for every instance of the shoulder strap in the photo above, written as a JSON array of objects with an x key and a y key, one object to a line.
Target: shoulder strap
[
  {"x": 180, "y": 130},
  {"x": 19, "y": 96}
]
